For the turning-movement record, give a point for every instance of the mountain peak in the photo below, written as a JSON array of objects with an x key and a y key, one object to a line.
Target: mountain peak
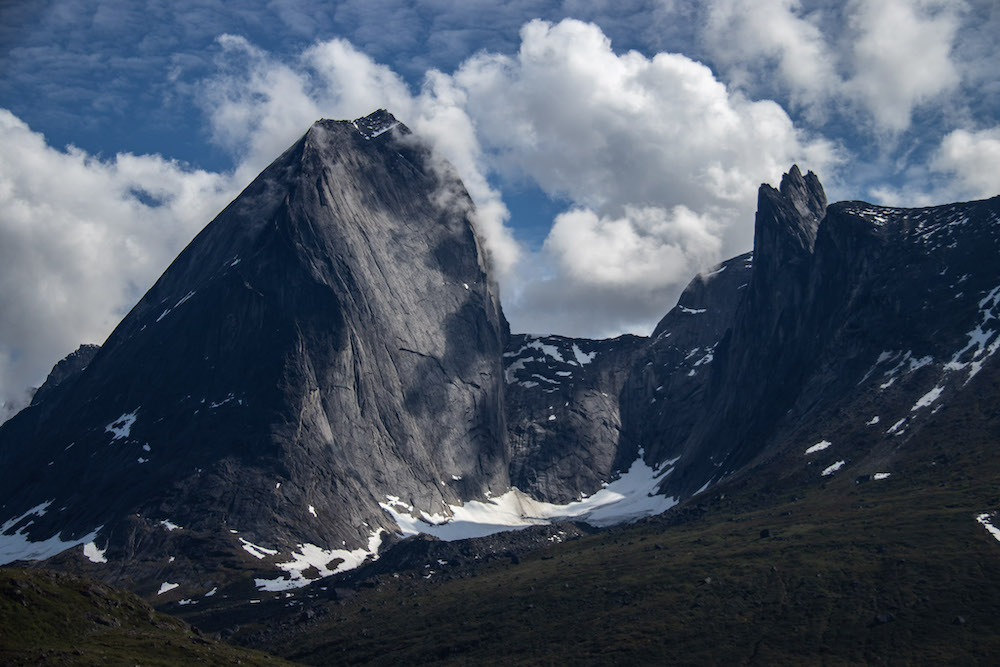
[
  {"x": 788, "y": 218},
  {"x": 805, "y": 193},
  {"x": 376, "y": 123}
]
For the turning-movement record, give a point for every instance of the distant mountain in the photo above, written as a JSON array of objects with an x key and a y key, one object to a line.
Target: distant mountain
[{"x": 326, "y": 369}]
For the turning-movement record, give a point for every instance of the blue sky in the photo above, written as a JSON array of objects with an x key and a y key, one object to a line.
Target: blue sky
[{"x": 614, "y": 149}]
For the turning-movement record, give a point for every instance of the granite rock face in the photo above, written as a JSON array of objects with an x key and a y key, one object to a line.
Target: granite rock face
[
  {"x": 332, "y": 337},
  {"x": 856, "y": 323},
  {"x": 564, "y": 412}
]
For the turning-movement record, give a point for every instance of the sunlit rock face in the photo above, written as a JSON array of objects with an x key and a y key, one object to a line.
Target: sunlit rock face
[{"x": 331, "y": 337}]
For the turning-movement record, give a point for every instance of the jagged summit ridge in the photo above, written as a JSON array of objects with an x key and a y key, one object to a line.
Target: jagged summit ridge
[{"x": 375, "y": 124}]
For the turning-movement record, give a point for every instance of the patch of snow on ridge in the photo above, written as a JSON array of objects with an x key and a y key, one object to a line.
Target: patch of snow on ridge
[
  {"x": 382, "y": 130},
  {"x": 547, "y": 349},
  {"x": 17, "y": 546},
  {"x": 582, "y": 358},
  {"x": 310, "y": 555},
  {"x": 628, "y": 498},
  {"x": 984, "y": 341},
  {"x": 121, "y": 427},
  {"x": 714, "y": 273}
]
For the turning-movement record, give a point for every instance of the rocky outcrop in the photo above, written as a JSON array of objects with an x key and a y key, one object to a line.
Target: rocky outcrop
[
  {"x": 66, "y": 369},
  {"x": 853, "y": 325},
  {"x": 668, "y": 385},
  {"x": 564, "y": 412}
]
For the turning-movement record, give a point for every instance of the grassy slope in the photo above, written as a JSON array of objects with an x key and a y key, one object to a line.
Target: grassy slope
[
  {"x": 57, "y": 618},
  {"x": 877, "y": 572}
]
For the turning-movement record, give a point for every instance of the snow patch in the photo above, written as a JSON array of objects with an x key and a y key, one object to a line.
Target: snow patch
[
  {"x": 169, "y": 525},
  {"x": 184, "y": 298},
  {"x": 879, "y": 476},
  {"x": 93, "y": 554},
  {"x": 984, "y": 519},
  {"x": 984, "y": 340},
  {"x": 17, "y": 546},
  {"x": 312, "y": 556},
  {"x": 834, "y": 468},
  {"x": 227, "y": 399},
  {"x": 871, "y": 422},
  {"x": 547, "y": 350},
  {"x": 819, "y": 446},
  {"x": 385, "y": 129},
  {"x": 257, "y": 552},
  {"x": 928, "y": 398},
  {"x": 166, "y": 586},
  {"x": 312, "y": 510},
  {"x": 691, "y": 311},
  {"x": 895, "y": 427},
  {"x": 628, "y": 498},
  {"x": 583, "y": 358},
  {"x": 121, "y": 427},
  {"x": 714, "y": 273}
]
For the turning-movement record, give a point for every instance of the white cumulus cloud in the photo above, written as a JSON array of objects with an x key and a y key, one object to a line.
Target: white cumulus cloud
[
  {"x": 973, "y": 157},
  {"x": 901, "y": 56},
  {"x": 880, "y": 60},
  {"x": 81, "y": 239},
  {"x": 659, "y": 160}
]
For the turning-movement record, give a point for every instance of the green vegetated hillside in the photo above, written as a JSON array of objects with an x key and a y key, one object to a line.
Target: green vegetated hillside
[
  {"x": 56, "y": 618},
  {"x": 835, "y": 571}
]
